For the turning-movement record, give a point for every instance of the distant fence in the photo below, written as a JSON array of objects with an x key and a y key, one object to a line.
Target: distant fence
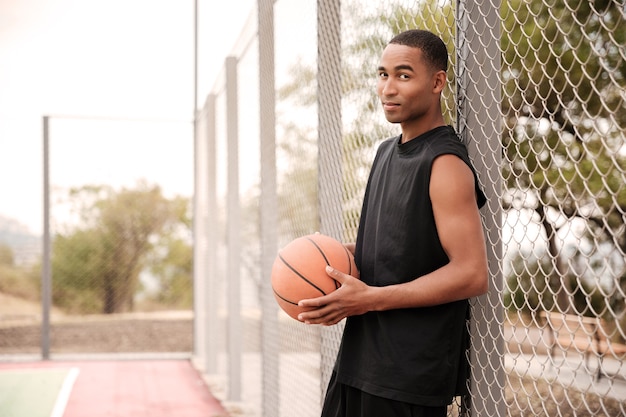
[
  {"x": 113, "y": 275},
  {"x": 283, "y": 146}
]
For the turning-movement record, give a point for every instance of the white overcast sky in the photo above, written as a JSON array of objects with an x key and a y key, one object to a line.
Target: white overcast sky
[{"x": 111, "y": 59}]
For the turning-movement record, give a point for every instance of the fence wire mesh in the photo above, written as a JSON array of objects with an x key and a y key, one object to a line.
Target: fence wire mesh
[
  {"x": 537, "y": 90},
  {"x": 118, "y": 277},
  {"x": 563, "y": 170}
]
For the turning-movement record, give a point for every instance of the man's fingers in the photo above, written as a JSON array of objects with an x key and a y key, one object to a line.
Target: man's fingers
[
  {"x": 327, "y": 309},
  {"x": 336, "y": 274},
  {"x": 324, "y": 299},
  {"x": 313, "y": 302},
  {"x": 323, "y": 319},
  {"x": 326, "y": 315}
]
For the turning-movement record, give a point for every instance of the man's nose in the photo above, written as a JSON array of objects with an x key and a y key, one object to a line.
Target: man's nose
[{"x": 389, "y": 88}]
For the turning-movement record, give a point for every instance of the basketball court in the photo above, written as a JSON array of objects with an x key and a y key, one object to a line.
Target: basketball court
[{"x": 132, "y": 388}]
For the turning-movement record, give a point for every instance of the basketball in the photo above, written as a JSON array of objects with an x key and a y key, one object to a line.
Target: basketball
[{"x": 299, "y": 271}]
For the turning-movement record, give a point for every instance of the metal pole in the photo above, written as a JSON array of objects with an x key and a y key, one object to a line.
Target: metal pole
[
  {"x": 478, "y": 63},
  {"x": 199, "y": 337},
  {"x": 270, "y": 334},
  {"x": 46, "y": 270},
  {"x": 234, "y": 244},
  {"x": 211, "y": 235},
  {"x": 330, "y": 146},
  {"x": 195, "y": 60}
]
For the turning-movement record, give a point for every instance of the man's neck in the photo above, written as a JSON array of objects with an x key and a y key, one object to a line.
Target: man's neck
[{"x": 410, "y": 132}]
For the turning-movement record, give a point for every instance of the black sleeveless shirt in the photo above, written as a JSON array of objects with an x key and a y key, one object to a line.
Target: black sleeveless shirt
[{"x": 415, "y": 355}]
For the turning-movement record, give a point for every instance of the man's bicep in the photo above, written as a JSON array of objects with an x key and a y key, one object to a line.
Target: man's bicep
[{"x": 453, "y": 197}]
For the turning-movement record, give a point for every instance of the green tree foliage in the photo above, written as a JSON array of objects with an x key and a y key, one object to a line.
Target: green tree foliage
[
  {"x": 8, "y": 273},
  {"x": 529, "y": 290},
  {"x": 6, "y": 255},
  {"x": 97, "y": 264},
  {"x": 79, "y": 260},
  {"x": 173, "y": 265},
  {"x": 16, "y": 280},
  {"x": 563, "y": 80},
  {"x": 564, "y": 61},
  {"x": 297, "y": 183}
]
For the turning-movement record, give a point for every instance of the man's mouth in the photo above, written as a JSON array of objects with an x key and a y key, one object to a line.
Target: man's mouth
[{"x": 388, "y": 105}]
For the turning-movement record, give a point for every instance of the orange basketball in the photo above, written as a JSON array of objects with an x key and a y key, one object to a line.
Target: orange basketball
[{"x": 299, "y": 271}]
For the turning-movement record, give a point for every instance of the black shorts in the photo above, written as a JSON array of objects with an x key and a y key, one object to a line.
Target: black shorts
[{"x": 345, "y": 401}]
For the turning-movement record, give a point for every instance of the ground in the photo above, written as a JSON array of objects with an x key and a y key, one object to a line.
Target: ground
[
  {"x": 172, "y": 332},
  {"x": 163, "y": 332}
]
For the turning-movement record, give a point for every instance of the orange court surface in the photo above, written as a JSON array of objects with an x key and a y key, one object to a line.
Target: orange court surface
[{"x": 131, "y": 388}]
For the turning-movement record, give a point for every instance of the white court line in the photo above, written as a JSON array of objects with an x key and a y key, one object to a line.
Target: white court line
[{"x": 64, "y": 393}]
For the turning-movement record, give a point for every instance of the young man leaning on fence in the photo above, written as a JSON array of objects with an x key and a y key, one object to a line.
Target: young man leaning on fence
[{"x": 420, "y": 250}]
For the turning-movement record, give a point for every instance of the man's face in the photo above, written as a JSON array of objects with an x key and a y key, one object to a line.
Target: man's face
[{"x": 406, "y": 85}]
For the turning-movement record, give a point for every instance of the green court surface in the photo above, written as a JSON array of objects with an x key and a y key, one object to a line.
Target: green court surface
[{"x": 35, "y": 392}]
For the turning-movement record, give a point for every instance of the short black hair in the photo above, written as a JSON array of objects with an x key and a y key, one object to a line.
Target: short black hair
[{"x": 431, "y": 45}]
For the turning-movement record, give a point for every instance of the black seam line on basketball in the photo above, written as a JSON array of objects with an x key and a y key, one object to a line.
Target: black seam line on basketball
[
  {"x": 325, "y": 258},
  {"x": 284, "y": 299},
  {"x": 328, "y": 262},
  {"x": 349, "y": 263},
  {"x": 300, "y": 275},
  {"x": 319, "y": 249}
]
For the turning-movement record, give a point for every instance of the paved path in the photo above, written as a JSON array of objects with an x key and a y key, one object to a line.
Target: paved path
[{"x": 571, "y": 372}]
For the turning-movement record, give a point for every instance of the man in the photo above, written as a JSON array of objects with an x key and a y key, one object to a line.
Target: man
[{"x": 420, "y": 250}]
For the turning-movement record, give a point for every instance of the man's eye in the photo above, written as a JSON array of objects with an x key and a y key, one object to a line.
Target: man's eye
[
  {"x": 404, "y": 77},
  {"x": 382, "y": 75}
]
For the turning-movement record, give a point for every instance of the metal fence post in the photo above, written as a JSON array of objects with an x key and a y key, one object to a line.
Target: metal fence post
[
  {"x": 46, "y": 270},
  {"x": 233, "y": 233},
  {"x": 205, "y": 238},
  {"x": 270, "y": 334},
  {"x": 478, "y": 49},
  {"x": 211, "y": 310},
  {"x": 330, "y": 148},
  {"x": 200, "y": 240}
]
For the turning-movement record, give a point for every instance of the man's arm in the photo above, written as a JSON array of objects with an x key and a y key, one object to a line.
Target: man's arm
[{"x": 460, "y": 231}]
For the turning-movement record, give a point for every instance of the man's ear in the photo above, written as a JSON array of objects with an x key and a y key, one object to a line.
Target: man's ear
[{"x": 440, "y": 79}]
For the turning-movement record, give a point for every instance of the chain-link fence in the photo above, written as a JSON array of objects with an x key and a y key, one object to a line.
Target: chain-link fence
[
  {"x": 284, "y": 144},
  {"x": 115, "y": 273}
]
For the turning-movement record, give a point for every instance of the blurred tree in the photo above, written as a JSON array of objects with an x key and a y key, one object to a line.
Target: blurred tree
[
  {"x": 6, "y": 255},
  {"x": 8, "y": 273},
  {"x": 97, "y": 264},
  {"x": 18, "y": 280},
  {"x": 173, "y": 267},
  {"x": 563, "y": 79},
  {"x": 78, "y": 262},
  {"x": 530, "y": 290},
  {"x": 527, "y": 289},
  {"x": 298, "y": 184}
]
